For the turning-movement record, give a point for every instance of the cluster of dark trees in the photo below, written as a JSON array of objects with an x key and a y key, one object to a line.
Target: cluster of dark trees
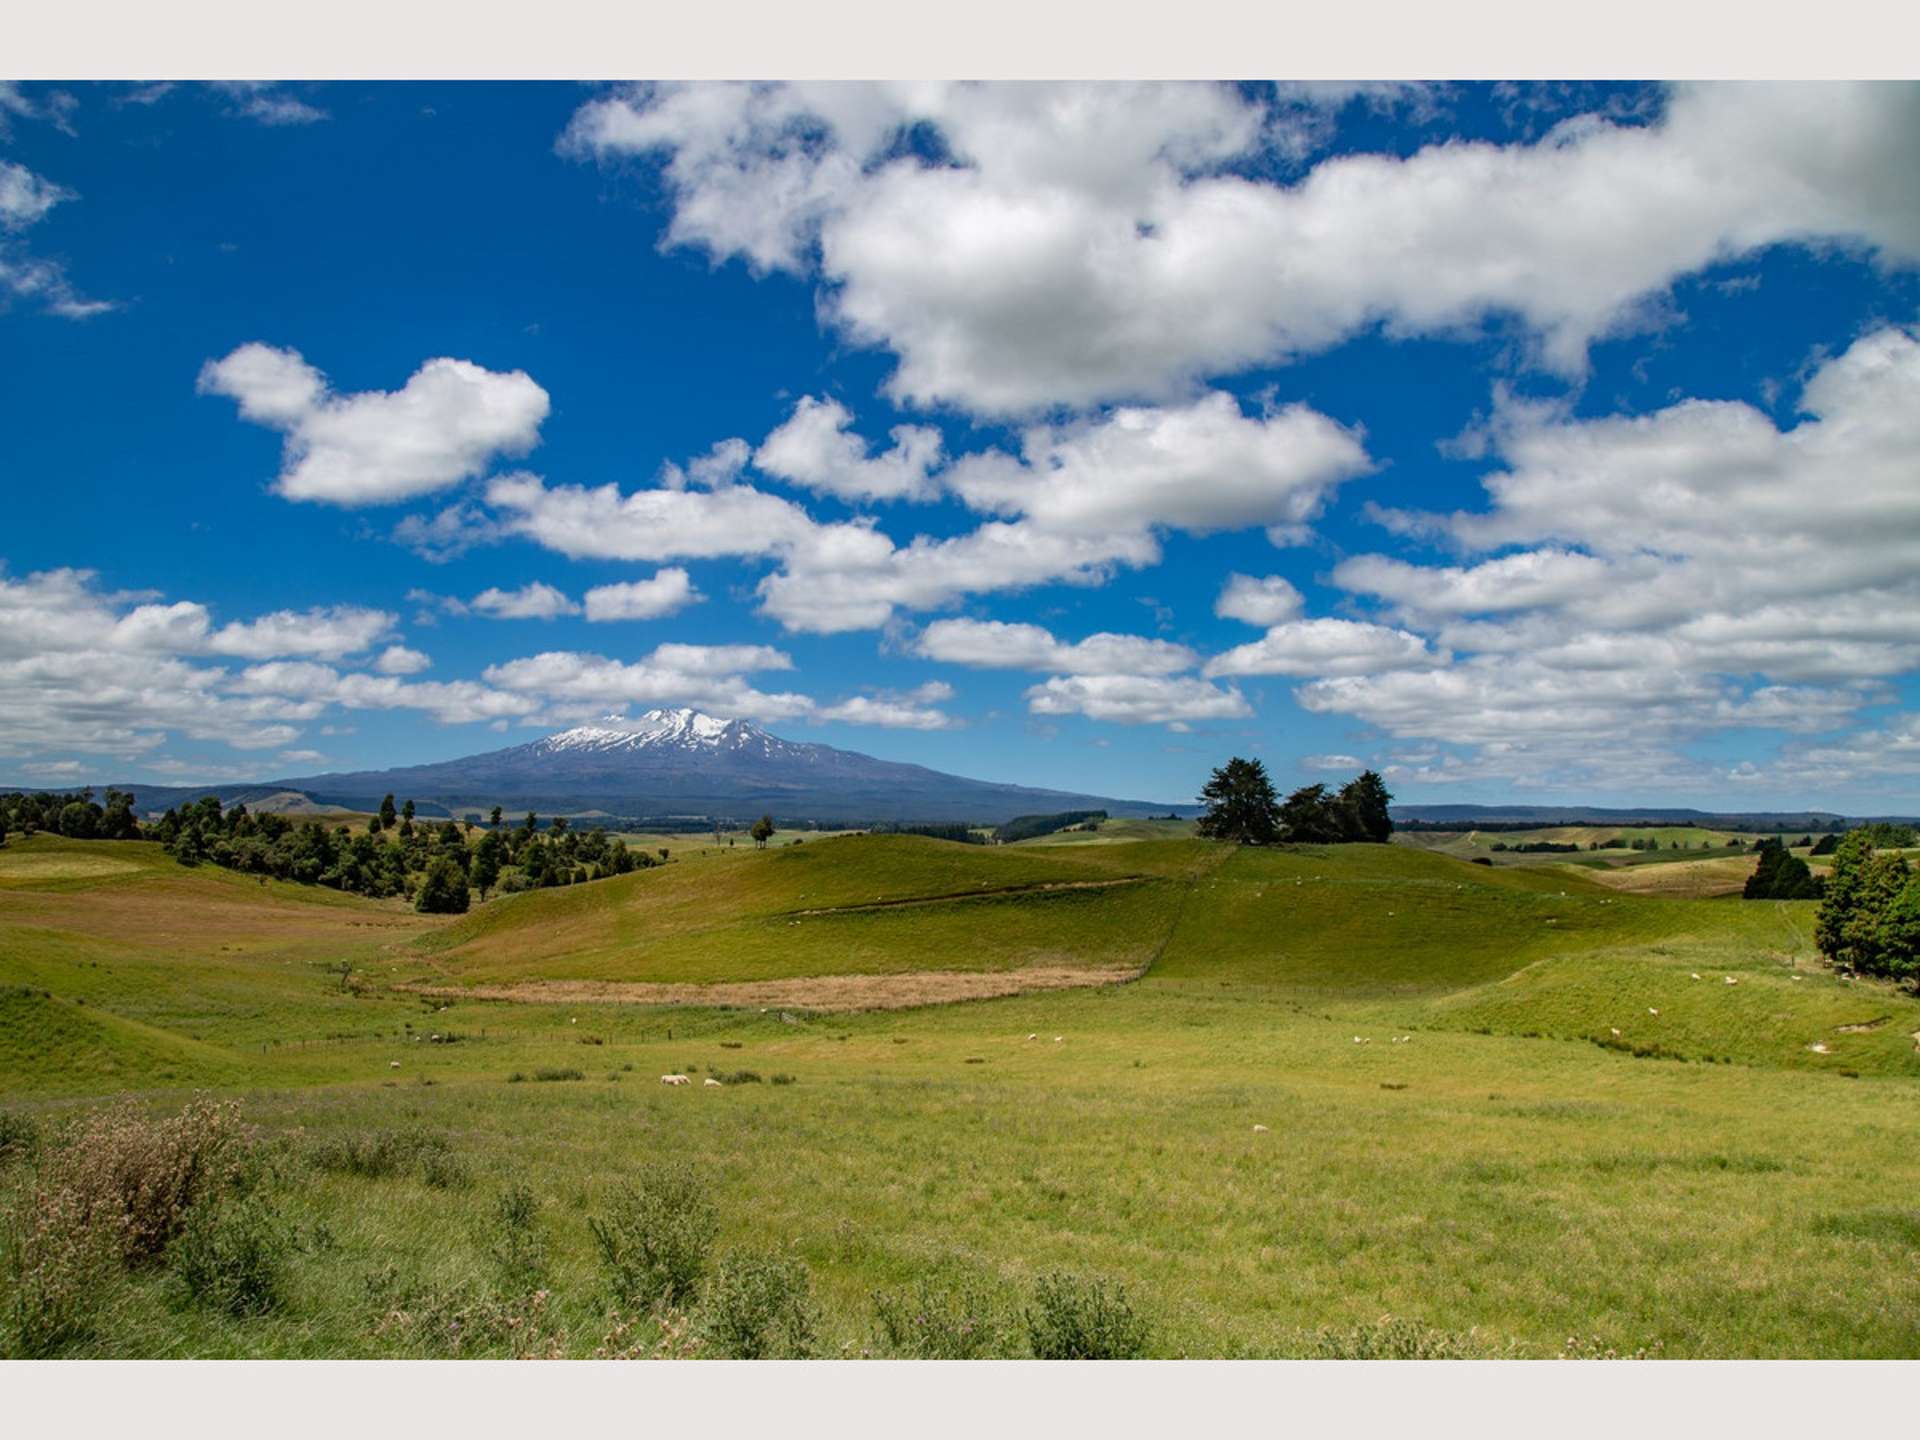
[
  {"x": 1026, "y": 827},
  {"x": 1781, "y": 875},
  {"x": 1537, "y": 847},
  {"x": 77, "y": 815},
  {"x": 1869, "y": 920},
  {"x": 433, "y": 865},
  {"x": 1243, "y": 807}
]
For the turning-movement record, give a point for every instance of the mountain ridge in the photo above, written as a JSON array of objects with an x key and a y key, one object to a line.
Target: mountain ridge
[{"x": 681, "y": 763}]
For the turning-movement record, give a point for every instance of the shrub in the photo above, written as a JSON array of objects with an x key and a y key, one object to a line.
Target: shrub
[
  {"x": 738, "y": 1077},
  {"x": 783, "y": 1079},
  {"x": 233, "y": 1256},
  {"x": 135, "y": 1178},
  {"x": 558, "y": 1072},
  {"x": 1077, "y": 1317},
  {"x": 961, "y": 1320},
  {"x": 515, "y": 1243},
  {"x": 655, "y": 1237},
  {"x": 760, "y": 1307}
]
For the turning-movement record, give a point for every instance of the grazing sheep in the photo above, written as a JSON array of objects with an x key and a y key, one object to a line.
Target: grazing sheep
[
  {"x": 1615, "y": 1029},
  {"x": 1819, "y": 1048},
  {"x": 711, "y": 1081},
  {"x": 1034, "y": 1036},
  {"x": 1652, "y": 1011},
  {"x": 1058, "y": 1038},
  {"x": 673, "y": 1080},
  {"x": 1696, "y": 975},
  {"x": 1260, "y": 1130},
  {"x": 393, "y": 1064},
  {"x": 1732, "y": 981}
]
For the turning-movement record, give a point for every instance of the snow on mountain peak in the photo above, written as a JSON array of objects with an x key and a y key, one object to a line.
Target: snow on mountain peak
[{"x": 684, "y": 728}]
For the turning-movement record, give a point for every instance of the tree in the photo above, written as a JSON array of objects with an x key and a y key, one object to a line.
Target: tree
[
  {"x": 388, "y": 815},
  {"x": 80, "y": 820},
  {"x": 1898, "y": 935},
  {"x": 762, "y": 831},
  {"x": 1363, "y": 801},
  {"x": 1310, "y": 816},
  {"x": 1780, "y": 875},
  {"x": 559, "y": 825},
  {"x": 444, "y": 891},
  {"x": 1240, "y": 802},
  {"x": 1860, "y": 893},
  {"x": 495, "y": 818},
  {"x": 485, "y": 869}
]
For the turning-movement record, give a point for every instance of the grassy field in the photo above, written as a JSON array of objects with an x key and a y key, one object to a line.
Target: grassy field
[{"x": 1455, "y": 1134}]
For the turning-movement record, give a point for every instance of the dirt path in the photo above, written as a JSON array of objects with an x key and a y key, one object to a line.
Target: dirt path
[{"x": 817, "y": 992}]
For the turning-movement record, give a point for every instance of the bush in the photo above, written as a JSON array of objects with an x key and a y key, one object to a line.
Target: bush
[
  {"x": 515, "y": 1243},
  {"x": 558, "y": 1072},
  {"x": 134, "y": 1179},
  {"x": 656, "y": 1235},
  {"x": 962, "y": 1320},
  {"x": 1077, "y": 1317},
  {"x": 233, "y": 1256},
  {"x": 738, "y": 1077},
  {"x": 760, "y": 1307}
]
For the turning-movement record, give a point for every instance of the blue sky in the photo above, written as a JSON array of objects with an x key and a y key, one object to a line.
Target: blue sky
[{"x": 1562, "y": 438}]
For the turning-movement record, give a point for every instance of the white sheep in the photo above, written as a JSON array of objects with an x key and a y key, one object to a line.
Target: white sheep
[
  {"x": 673, "y": 1080},
  {"x": 1260, "y": 1130},
  {"x": 1652, "y": 1011},
  {"x": 393, "y": 1064},
  {"x": 711, "y": 1081}
]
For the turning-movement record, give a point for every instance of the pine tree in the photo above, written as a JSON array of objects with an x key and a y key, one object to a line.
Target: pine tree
[
  {"x": 1363, "y": 801},
  {"x": 387, "y": 813},
  {"x": 1310, "y": 816},
  {"x": 1241, "y": 806}
]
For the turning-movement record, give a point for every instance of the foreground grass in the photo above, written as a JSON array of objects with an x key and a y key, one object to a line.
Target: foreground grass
[{"x": 1525, "y": 1189}]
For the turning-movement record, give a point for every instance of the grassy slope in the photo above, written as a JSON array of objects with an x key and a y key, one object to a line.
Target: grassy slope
[
  {"x": 751, "y": 915},
  {"x": 1535, "y": 1187}
]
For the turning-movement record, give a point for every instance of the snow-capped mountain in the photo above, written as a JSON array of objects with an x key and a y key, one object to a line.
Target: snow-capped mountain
[
  {"x": 666, "y": 730},
  {"x": 685, "y": 763}
]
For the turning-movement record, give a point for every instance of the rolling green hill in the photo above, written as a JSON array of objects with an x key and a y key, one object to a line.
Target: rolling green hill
[{"x": 1453, "y": 1134}]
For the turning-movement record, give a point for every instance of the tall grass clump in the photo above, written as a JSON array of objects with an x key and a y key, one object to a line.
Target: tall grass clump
[
  {"x": 760, "y": 1307},
  {"x": 959, "y": 1320},
  {"x": 233, "y": 1256},
  {"x": 1076, "y": 1317},
  {"x": 655, "y": 1237},
  {"x": 378, "y": 1154},
  {"x": 1391, "y": 1338},
  {"x": 19, "y": 1138},
  {"x": 514, "y": 1241}
]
